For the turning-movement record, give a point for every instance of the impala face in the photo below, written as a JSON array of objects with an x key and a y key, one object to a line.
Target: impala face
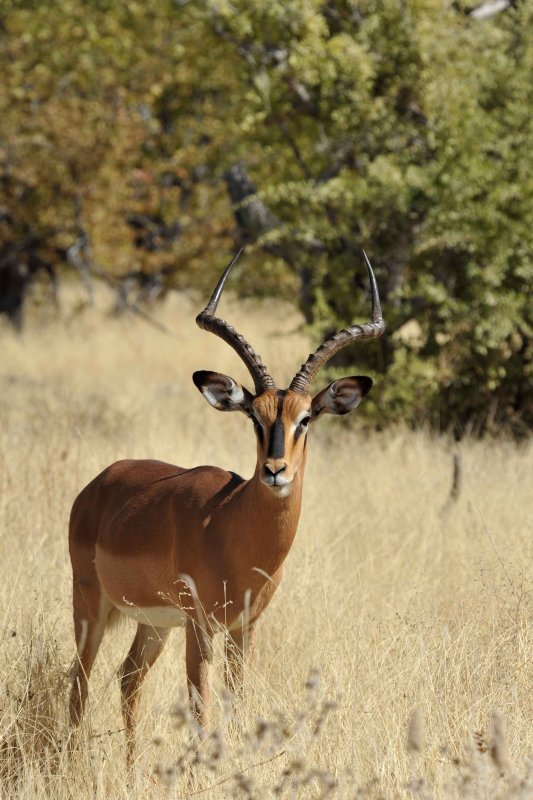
[{"x": 281, "y": 419}]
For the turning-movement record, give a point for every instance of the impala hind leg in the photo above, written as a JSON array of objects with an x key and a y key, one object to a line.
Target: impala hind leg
[
  {"x": 199, "y": 656},
  {"x": 144, "y": 652},
  {"x": 91, "y": 613}
]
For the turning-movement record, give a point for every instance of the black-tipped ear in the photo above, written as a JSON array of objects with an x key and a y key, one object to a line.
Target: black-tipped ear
[
  {"x": 222, "y": 392},
  {"x": 341, "y": 396}
]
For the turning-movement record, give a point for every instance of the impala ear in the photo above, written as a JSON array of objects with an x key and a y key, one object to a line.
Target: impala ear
[
  {"x": 222, "y": 392},
  {"x": 341, "y": 396}
]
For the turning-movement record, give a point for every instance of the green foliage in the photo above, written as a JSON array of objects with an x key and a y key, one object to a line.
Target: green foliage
[
  {"x": 403, "y": 128},
  {"x": 406, "y": 129},
  {"x": 85, "y": 104}
]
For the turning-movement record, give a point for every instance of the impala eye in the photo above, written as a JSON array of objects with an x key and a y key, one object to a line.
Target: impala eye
[{"x": 305, "y": 422}]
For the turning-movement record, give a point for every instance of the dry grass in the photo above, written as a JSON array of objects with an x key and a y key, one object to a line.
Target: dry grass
[{"x": 396, "y": 606}]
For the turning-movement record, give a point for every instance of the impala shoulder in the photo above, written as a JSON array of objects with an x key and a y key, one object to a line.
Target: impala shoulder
[{"x": 216, "y": 477}]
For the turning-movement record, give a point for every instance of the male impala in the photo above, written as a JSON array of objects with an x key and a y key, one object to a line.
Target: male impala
[{"x": 201, "y": 548}]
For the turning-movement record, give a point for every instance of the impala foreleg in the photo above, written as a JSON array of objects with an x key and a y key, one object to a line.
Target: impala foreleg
[
  {"x": 144, "y": 652},
  {"x": 238, "y": 648},
  {"x": 199, "y": 656}
]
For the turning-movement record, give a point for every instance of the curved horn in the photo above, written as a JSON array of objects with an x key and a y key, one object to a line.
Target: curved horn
[
  {"x": 370, "y": 330},
  {"x": 207, "y": 320}
]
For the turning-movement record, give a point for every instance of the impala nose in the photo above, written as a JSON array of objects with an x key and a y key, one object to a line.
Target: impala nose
[
  {"x": 274, "y": 469},
  {"x": 273, "y": 473}
]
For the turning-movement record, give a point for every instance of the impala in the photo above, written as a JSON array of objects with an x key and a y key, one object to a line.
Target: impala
[{"x": 201, "y": 548}]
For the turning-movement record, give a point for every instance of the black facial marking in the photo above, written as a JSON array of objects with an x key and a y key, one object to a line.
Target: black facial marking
[
  {"x": 276, "y": 448},
  {"x": 258, "y": 429}
]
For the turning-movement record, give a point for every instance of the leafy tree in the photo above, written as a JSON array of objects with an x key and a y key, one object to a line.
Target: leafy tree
[
  {"x": 406, "y": 129},
  {"x": 91, "y": 177},
  {"x": 143, "y": 141}
]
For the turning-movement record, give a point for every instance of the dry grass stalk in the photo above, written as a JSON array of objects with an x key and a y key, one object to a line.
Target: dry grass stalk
[
  {"x": 415, "y": 732},
  {"x": 498, "y": 745}
]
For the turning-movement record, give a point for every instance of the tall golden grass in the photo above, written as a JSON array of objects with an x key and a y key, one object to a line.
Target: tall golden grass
[{"x": 395, "y": 659}]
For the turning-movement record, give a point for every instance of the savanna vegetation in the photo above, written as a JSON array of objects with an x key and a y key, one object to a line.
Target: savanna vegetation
[
  {"x": 142, "y": 142},
  {"x": 398, "y": 612},
  {"x": 141, "y": 145}
]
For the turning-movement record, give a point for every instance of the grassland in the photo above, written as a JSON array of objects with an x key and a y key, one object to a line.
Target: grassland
[{"x": 388, "y": 605}]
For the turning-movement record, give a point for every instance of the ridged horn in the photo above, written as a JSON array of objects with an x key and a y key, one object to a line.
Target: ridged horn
[
  {"x": 369, "y": 330},
  {"x": 207, "y": 320}
]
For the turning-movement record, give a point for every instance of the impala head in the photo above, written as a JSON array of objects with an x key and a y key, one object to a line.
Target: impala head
[{"x": 281, "y": 418}]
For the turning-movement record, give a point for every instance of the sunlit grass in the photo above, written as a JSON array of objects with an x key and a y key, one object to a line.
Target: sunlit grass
[{"x": 396, "y": 604}]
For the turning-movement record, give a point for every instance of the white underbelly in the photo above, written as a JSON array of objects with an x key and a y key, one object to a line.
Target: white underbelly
[{"x": 156, "y": 616}]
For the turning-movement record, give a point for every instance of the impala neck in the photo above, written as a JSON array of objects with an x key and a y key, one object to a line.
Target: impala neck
[{"x": 267, "y": 523}]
